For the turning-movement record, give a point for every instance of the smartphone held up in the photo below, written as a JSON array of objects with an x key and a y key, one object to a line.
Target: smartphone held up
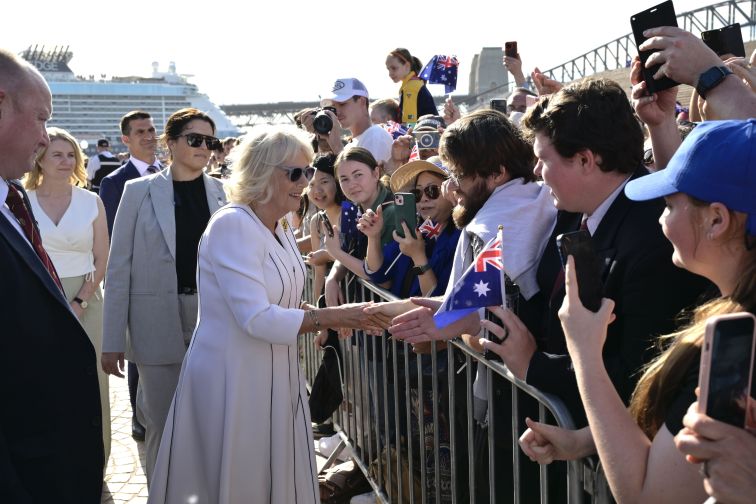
[
  {"x": 588, "y": 266},
  {"x": 658, "y": 15},
  {"x": 405, "y": 212},
  {"x": 725, "y": 378}
]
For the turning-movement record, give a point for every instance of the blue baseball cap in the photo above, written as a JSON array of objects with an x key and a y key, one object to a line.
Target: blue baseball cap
[{"x": 716, "y": 163}]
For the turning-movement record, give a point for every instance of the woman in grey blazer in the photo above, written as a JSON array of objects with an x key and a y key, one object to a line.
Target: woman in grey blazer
[{"x": 150, "y": 287}]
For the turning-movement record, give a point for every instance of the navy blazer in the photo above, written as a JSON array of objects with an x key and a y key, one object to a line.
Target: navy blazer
[
  {"x": 111, "y": 190},
  {"x": 50, "y": 419},
  {"x": 649, "y": 292}
]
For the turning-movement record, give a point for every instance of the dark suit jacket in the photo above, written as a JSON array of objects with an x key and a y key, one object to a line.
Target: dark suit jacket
[
  {"x": 648, "y": 289},
  {"x": 50, "y": 423},
  {"x": 111, "y": 190}
]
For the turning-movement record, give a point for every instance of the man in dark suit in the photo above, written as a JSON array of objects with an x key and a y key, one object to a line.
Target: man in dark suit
[
  {"x": 589, "y": 145},
  {"x": 139, "y": 135},
  {"x": 50, "y": 422}
]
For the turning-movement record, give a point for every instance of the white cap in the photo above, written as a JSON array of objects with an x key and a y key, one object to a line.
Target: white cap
[{"x": 343, "y": 89}]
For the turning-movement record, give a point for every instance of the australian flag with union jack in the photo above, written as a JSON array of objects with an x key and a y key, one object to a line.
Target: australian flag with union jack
[
  {"x": 480, "y": 286},
  {"x": 441, "y": 69}
]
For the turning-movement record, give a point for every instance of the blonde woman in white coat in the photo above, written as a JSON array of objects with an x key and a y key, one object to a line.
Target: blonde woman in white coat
[{"x": 239, "y": 427}]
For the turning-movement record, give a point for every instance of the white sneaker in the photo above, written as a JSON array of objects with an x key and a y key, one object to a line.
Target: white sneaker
[{"x": 327, "y": 445}]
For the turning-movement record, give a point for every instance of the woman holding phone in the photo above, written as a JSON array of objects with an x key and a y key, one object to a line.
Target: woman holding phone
[
  {"x": 359, "y": 177},
  {"x": 711, "y": 221},
  {"x": 420, "y": 265},
  {"x": 415, "y": 100},
  {"x": 325, "y": 193}
]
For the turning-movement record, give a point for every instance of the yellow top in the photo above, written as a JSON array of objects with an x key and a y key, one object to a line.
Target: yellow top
[{"x": 411, "y": 85}]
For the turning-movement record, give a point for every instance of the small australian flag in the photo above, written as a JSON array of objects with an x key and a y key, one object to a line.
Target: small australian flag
[
  {"x": 441, "y": 69},
  {"x": 480, "y": 286}
]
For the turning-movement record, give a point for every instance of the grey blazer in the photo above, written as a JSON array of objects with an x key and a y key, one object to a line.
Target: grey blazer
[{"x": 140, "y": 283}]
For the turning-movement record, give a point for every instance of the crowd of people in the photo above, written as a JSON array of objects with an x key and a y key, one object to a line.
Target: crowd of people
[{"x": 193, "y": 270}]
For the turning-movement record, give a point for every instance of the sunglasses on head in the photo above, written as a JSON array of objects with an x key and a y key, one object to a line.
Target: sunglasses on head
[
  {"x": 295, "y": 174},
  {"x": 433, "y": 191},
  {"x": 195, "y": 140}
]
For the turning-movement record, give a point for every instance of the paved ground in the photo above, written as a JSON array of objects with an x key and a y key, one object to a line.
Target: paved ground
[{"x": 124, "y": 479}]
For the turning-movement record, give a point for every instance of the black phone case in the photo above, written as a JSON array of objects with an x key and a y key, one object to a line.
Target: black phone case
[
  {"x": 500, "y": 105},
  {"x": 658, "y": 15},
  {"x": 588, "y": 266},
  {"x": 726, "y": 40}
]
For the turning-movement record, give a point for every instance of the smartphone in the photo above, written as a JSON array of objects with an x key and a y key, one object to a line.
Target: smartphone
[
  {"x": 405, "y": 211},
  {"x": 326, "y": 222},
  {"x": 659, "y": 15},
  {"x": 588, "y": 266},
  {"x": 726, "y": 369},
  {"x": 500, "y": 105},
  {"x": 427, "y": 139},
  {"x": 510, "y": 49},
  {"x": 727, "y": 40}
]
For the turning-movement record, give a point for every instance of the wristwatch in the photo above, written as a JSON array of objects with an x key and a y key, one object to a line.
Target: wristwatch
[
  {"x": 81, "y": 302},
  {"x": 419, "y": 270},
  {"x": 710, "y": 79}
]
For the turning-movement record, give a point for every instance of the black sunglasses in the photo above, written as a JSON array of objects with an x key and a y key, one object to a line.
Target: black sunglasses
[
  {"x": 296, "y": 173},
  {"x": 195, "y": 140},
  {"x": 433, "y": 191}
]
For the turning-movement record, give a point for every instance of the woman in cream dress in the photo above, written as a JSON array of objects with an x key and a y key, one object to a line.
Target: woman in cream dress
[
  {"x": 239, "y": 427},
  {"x": 75, "y": 235}
]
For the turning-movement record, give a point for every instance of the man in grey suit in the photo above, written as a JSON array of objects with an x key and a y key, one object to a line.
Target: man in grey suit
[{"x": 151, "y": 292}]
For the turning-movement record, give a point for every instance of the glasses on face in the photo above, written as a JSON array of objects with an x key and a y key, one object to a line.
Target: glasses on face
[
  {"x": 195, "y": 140},
  {"x": 456, "y": 179},
  {"x": 433, "y": 191},
  {"x": 295, "y": 173}
]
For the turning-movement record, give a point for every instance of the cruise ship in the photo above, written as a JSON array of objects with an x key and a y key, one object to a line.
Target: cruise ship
[{"x": 91, "y": 108}]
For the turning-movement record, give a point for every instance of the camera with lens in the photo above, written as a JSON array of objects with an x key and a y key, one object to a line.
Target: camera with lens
[{"x": 322, "y": 123}]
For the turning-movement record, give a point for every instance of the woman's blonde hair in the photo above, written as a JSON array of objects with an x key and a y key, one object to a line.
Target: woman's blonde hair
[
  {"x": 255, "y": 159},
  {"x": 663, "y": 377},
  {"x": 33, "y": 179}
]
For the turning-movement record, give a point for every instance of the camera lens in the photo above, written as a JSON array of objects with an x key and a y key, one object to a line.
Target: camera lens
[
  {"x": 322, "y": 123},
  {"x": 425, "y": 141}
]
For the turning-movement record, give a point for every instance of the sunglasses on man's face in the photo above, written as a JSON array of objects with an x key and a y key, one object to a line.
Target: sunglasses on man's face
[
  {"x": 195, "y": 140},
  {"x": 295, "y": 174},
  {"x": 433, "y": 191}
]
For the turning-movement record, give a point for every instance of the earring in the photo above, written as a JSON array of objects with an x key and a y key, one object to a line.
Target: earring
[{"x": 710, "y": 236}]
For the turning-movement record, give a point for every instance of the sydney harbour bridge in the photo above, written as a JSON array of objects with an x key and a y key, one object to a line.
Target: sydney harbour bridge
[{"x": 611, "y": 56}]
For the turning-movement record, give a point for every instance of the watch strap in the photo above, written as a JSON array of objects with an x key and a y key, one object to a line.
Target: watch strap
[
  {"x": 710, "y": 79},
  {"x": 419, "y": 270}
]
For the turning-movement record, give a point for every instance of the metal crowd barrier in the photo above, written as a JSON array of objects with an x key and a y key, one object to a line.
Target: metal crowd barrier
[{"x": 408, "y": 423}]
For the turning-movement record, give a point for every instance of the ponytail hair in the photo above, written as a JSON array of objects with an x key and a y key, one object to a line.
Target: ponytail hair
[{"x": 404, "y": 56}]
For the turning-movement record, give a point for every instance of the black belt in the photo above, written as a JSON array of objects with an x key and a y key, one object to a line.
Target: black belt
[{"x": 188, "y": 291}]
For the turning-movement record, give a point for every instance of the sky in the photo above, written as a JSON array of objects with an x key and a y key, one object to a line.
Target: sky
[{"x": 293, "y": 50}]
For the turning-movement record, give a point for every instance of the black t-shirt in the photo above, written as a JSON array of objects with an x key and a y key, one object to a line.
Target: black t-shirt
[
  {"x": 192, "y": 215},
  {"x": 683, "y": 399}
]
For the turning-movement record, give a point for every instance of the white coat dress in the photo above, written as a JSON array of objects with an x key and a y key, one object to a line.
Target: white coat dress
[{"x": 239, "y": 427}]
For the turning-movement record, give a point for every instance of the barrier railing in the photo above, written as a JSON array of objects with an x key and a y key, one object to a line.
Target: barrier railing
[{"x": 423, "y": 429}]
